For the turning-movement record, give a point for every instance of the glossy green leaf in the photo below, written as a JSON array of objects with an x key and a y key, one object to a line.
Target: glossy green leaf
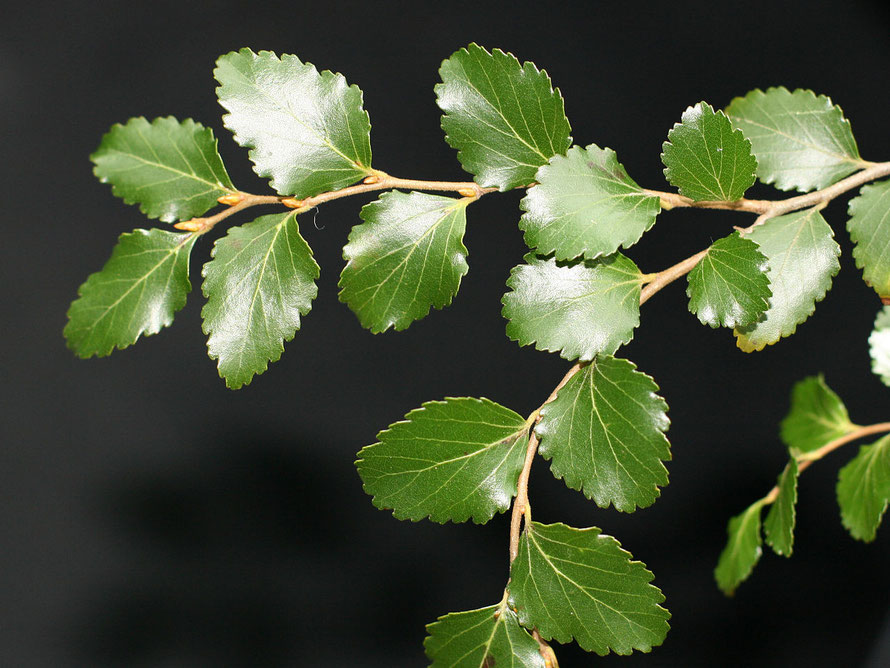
[
  {"x": 486, "y": 638},
  {"x": 260, "y": 281},
  {"x": 742, "y": 551},
  {"x": 869, "y": 228},
  {"x": 604, "y": 433},
  {"x": 729, "y": 286},
  {"x": 800, "y": 140},
  {"x": 817, "y": 416},
  {"x": 504, "y": 119},
  {"x": 449, "y": 460},
  {"x": 580, "y": 309},
  {"x": 142, "y": 285},
  {"x": 170, "y": 168},
  {"x": 802, "y": 257},
  {"x": 406, "y": 257},
  {"x": 879, "y": 345},
  {"x": 706, "y": 158},
  {"x": 585, "y": 204},
  {"x": 307, "y": 131},
  {"x": 578, "y": 583},
  {"x": 779, "y": 524},
  {"x": 863, "y": 490}
]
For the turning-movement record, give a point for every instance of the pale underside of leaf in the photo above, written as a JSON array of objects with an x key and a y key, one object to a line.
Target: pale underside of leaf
[{"x": 879, "y": 346}]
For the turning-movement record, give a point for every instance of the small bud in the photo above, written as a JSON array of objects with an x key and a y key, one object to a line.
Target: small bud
[
  {"x": 371, "y": 179},
  {"x": 193, "y": 225},
  {"x": 231, "y": 200},
  {"x": 292, "y": 202},
  {"x": 467, "y": 192}
]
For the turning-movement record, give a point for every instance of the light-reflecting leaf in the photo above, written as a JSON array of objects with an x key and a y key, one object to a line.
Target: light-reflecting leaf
[
  {"x": 604, "y": 433},
  {"x": 260, "y": 281},
  {"x": 869, "y": 228},
  {"x": 449, "y": 460},
  {"x": 504, "y": 119},
  {"x": 779, "y": 524},
  {"x": 580, "y": 309},
  {"x": 142, "y": 285},
  {"x": 817, "y": 416},
  {"x": 307, "y": 131},
  {"x": 486, "y": 638},
  {"x": 800, "y": 140},
  {"x": 406, "y": 257},
  {"x": 863, "y": 490},
  {"x": 729, "y": 286},
  {"x": 585, "y": 204},
  {"x": 171, "y": 169},
  {"x": 742, "y": 550},
  {"x": 706, "y": 158},
  {"x": 879, "y": 345},
  {"x": 578, "y": 583},
  {"x": 802, "y": 257}
]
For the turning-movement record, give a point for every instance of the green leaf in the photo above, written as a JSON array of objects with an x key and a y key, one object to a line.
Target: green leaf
[
  {"x": 579, "y": 309},
  {"x": 742, "y": 551},
  {"x": 706, "y": 159},
  {"x": 800, "y": 140},
  {"x": 307, "y": 130},
  {"x": 879, "y": 345},
  {"x": 585, "y": 204},
  {"x": 578, "y": 583},
  {"x": 170, "y": 168},
  {"x": 406, "y": 257},
  {"x": 802, "y": 258},
  {"x": 485, "y": 638},
  {"x": 260, "y": 281},
  {"x": 779, "y": 524},
  {"x": 869, "y": 228},
  {"x": 142, "y": 285},
  {"x": 604, "y": 433},
  {"x": 729, "y": 286},
  {"x": 449, "y": 460},
  {"x": 863, "y": 490},
  {"x": 505, "y": 119},
  {"x": 817, "y": 416}
]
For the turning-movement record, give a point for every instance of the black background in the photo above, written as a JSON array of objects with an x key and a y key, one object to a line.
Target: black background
[{"x": 150, "y": 517}]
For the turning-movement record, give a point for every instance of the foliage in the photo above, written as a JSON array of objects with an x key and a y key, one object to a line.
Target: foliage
[{"x": 603, "y": 426}]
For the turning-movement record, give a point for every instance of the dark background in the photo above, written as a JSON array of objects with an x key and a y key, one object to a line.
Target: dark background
[{"x": 150, "y": 517}]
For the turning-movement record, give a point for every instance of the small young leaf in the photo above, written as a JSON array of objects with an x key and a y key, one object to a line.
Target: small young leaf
[
  {"x": 406, "y": 257},
  {"x": 742, "y": 551},
  {"x": 171, "y": 169},
  {"x": 879, "y": 345},
  {"x": 817, "y": 416},
  {"x": 579, "y": 309},
  {"x": 505, "y": 119},
  {"x": 802, "y": 257},
  {"x": 486, "y": 638},
  {"x": 863, "y": 490},
  {"x": 604, "y": 433},
  {"x": 578, "y": 583},
  {"x": 800, "y": 140},
  {"x": 729, "y": 286},
  {"x": 585, "y": 204},
  {"x": 260, "y": 281},
  {"x": 307, "y": 131},
  {"x": 779, "y": 524},
  {"x": 449, "y": 460},
  {"x": 869, "y": 228},
  {"x": 706, "y": 159},
  {"x": 142, "y": 285}
]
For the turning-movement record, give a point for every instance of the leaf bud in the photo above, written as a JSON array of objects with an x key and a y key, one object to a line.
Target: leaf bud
[
  {"x": 231, "y": 200},
  {"x": 292, "y": 202}
]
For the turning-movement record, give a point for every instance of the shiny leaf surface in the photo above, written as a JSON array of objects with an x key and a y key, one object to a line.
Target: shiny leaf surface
[
  {"x": 779, "y": 524},
  {"x": 879, "y": 346},
  {"x": 585, "y": 204},
  {"x": 260, "y": 281},
  {"x": 578, "y": 583},
  {"x": 604, "y": 434},
  {"x": 504, "y": 119},
  {"x": 817, "y": 416},
  {"x": 742, "y": 551},
  {"x": 450, "y": 460},
  {"x": 307, "y": 131},
  {"x": 869, "y": 228},
  {"x": 407, "y": 257},
  {"x": 863, "y": 490}
]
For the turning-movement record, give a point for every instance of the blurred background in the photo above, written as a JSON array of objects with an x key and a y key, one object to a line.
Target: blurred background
[{"x": 151, "y": 517}]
